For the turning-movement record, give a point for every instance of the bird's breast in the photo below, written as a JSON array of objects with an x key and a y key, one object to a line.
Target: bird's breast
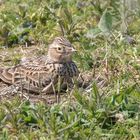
[{"x": 67, "y": 69}]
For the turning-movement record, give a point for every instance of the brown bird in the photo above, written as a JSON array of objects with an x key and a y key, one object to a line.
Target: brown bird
[{"x": 44, "y": 74}]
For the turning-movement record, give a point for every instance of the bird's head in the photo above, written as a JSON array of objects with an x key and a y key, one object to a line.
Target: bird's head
[{"x": 60, "y": 50}]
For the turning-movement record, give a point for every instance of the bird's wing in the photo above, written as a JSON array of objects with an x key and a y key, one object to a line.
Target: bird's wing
[
  {"x": 34, "y": 60},
  {"x": 29, "y": 76}
]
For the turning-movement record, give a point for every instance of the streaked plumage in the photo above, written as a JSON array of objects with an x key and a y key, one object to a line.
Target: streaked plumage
[{"x": 43, "y": 74}]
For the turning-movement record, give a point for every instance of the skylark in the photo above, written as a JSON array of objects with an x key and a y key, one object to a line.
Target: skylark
[{"x": 44, "y": 74}]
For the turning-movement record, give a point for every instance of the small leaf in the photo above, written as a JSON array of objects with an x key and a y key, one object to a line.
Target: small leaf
[{"x": 105, "y": 23}]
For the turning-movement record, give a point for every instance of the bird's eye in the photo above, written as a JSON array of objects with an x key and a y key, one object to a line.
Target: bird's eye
[{"x": 59, "y": 48}]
